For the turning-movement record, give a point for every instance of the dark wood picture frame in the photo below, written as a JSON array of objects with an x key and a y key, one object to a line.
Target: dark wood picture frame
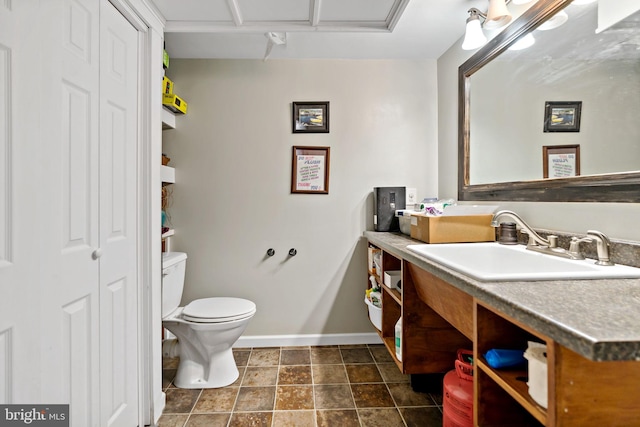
[
  {"x": 310, "y": 170},
  {"x": 560, "y": 161},
  {"x": 562, "y": 116},
  {"x": 310, "y": 117}
]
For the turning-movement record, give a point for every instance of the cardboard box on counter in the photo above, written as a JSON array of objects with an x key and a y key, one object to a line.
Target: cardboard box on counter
[{"x": 452, "y": 229}]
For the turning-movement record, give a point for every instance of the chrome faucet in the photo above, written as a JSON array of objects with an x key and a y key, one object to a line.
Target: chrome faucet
[
  {"x": 534, "y": 238},
  {"x": 550, "y": 244},
  {"x": 536, "y": 242}
]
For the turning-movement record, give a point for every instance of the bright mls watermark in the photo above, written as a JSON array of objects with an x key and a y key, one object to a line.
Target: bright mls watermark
[{"x": 34, "y": 415}]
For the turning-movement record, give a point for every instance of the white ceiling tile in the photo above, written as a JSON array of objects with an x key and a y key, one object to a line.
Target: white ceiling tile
[
  {"x": 274, "y": 10},
  {"x": 194, "y": 10},
  {"x": 356, "y": 10}
]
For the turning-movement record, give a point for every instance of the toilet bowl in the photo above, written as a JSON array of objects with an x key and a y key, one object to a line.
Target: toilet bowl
[{"x": 206, "y": 329}]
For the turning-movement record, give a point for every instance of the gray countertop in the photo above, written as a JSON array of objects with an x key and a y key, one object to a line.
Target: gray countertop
[{"x": 598, "y": 319}]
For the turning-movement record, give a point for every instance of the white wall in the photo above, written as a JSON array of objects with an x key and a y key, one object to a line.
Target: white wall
[
  {"x": 617, "y": 220},
  {"x": 232, "y": 201}
]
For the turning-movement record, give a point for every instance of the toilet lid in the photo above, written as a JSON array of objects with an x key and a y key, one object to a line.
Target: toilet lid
[{"x": 221, "y": 309}]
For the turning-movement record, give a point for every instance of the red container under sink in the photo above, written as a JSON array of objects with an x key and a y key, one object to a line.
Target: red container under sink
[{"x": 457, "y": 408}]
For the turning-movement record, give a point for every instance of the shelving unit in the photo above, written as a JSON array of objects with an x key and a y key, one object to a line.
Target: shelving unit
[
  {"x": 167, "y": 173},
  {"x": 429, "y": 342}
]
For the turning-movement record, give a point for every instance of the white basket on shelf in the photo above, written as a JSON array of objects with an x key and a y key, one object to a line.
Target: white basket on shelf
[{"x": 375, "y": 314}]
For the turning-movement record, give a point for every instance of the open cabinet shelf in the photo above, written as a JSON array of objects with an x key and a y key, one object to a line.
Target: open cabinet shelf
[
  {"x": 168, "y": 119},
  {"x": 429, "y": 343},
  {"x": 495, "y": 331}
]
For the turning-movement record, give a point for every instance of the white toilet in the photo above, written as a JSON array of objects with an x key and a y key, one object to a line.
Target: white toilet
[{"x": 206, "y": 329}]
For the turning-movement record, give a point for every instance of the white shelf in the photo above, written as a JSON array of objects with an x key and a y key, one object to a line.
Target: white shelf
[
  {"x": 167, "y": 174},
  {"x": 168, "y": 233},
  {"x": 168, "y": 119}
]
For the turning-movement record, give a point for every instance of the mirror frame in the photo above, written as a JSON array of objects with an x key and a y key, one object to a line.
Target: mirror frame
[{"x": 618, "y": 187}]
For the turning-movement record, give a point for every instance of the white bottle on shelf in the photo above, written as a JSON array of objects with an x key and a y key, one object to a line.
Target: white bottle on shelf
[{"x": 398, "y": 333}]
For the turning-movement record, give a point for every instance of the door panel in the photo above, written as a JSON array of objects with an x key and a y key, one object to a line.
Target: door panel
[
  {"x": 118, "y": 272},
  {"x": 21, "y": 215},
  {"x": 7, "y": 267},
  {"x": 77, "y": 346},
  {"x": 69, "y": 197}
]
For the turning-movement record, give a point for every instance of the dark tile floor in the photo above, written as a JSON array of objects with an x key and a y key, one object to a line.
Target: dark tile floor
[{"x": 325, "y": 386}]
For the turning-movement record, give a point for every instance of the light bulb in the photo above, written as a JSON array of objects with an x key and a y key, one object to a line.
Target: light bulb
[{"x": 473, "y": 37}]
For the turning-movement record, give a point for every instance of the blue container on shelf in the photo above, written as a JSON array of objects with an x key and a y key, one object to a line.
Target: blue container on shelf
[{"x": 504, "y": 358}]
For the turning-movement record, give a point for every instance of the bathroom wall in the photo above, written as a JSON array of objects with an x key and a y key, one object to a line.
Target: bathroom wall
[
  {"x": 233, "y": 152},
  {"x": 617, "y": 220}
]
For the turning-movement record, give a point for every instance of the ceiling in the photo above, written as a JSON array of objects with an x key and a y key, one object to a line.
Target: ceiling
[{"x": 345, "y": 29}]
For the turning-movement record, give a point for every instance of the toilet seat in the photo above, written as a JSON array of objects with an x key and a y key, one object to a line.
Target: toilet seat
[{"x": 218, "y": 310}]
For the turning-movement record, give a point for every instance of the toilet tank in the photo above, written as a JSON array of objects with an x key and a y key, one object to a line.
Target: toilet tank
[{"x": 173, "y": 268}]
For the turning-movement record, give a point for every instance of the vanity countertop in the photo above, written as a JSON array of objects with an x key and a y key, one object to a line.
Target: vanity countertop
[{"x": 598, "y": 319}]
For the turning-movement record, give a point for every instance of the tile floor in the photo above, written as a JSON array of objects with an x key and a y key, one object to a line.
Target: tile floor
[{"x": 324, "y": 386}]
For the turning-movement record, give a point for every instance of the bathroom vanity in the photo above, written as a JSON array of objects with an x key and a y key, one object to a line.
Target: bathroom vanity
[{"x": 591, "y": 329}]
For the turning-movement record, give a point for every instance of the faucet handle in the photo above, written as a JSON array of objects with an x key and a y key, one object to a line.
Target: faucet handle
[
  {"x": 574, "y": 246},
  {"x": 531, "y": 241}
]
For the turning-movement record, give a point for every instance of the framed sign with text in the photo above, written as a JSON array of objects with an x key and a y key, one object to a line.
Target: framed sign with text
[
  {"x": 560, "y": 161},
  {"x": 310, "y": 170}
]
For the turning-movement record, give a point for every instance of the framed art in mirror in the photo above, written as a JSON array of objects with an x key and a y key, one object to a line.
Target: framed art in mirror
[
  {"x": 560, "y": 161},
  {"x": 562, "y": 116}
]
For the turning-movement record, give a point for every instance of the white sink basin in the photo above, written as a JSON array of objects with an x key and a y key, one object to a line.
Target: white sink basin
[{"x": 496, "y": 262}]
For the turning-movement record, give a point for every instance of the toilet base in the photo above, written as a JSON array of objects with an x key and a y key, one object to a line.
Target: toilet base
[{"x": 222, "y": 371}]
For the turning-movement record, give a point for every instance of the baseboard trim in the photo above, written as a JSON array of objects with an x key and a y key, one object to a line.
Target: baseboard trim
[
  {"x": 158, "y": 407},
  {"x": 304, "y": 340}
]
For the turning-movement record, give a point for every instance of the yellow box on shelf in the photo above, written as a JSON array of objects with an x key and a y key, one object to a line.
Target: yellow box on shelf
[
  {"x": 174, "y": 103},
  {"x": 167, "y": 86}
]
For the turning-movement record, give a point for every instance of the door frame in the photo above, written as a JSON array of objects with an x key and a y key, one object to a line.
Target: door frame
[{"x": 150, "y": 26}]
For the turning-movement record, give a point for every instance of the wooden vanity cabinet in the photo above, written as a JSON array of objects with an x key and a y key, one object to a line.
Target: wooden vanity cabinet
[
  {"x": 439, "y": 318},
  {"x": 429, "y": 342}
]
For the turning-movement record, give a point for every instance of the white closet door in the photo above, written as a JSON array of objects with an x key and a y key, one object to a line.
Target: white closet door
[
  {"x": 19, "y": 296},
  {"x": 69, "y": 183},
  {"x": 118, "y": 272}
]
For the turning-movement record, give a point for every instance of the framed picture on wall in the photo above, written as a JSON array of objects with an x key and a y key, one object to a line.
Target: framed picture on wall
[
  {"x": 560, "y": 161},
  {"x": 562, "y": 116},
  {"x": 310, "y": 170},
  {"x": 310, "y": 117}
]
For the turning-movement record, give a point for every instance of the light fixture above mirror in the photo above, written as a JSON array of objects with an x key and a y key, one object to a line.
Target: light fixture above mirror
[{"x": 497, "y": 17}]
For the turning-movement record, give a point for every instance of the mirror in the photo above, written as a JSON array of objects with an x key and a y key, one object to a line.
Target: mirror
[{"x": 515, "y": 106}]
